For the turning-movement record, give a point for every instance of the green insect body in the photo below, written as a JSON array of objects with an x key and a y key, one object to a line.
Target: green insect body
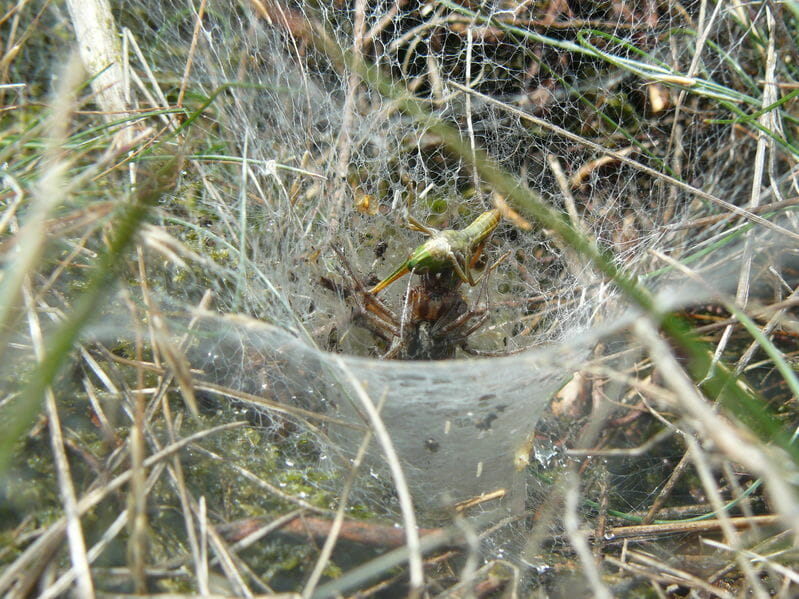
[{"x": 450, "y": 249}]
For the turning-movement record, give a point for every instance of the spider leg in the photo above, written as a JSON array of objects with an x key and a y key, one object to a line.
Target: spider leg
[
  {"x": 458, "y": 323},
  {"x": 376, "y": 306},
  {"x": 482, "y": 318},
  {"x": 383, "y": 329},
  {"x": 482, "y": 312},
  {"x": 373, "y": 312}
]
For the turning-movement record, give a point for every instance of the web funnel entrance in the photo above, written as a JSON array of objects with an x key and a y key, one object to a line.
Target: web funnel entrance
[{"x": 461, "y": 428}]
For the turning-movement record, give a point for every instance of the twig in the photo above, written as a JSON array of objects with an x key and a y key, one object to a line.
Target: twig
[
  {"x": 184, "y": 82},
  {"x": 385, "y": 562},
  {"x": 629, "y": 161},
  {"x": 92, "y": 498},
  {"x": 708, "y": 482},
  {"x": 726, "y": 437},
  {"x": 754, "y": 556},
  {"x": 95, "y": 29},
  {"x": 202, "y": 558},
  {"x": 344, "y": 142},
  {"x": 769, "y": 95},
  {"x": 77, "y": 543},
  {"x": 664, "y": 493},
  {"x": 665, "y": 573},
  {"x": 335, "y": 529},
  {"x": 714, "y": 218},
  {"x": 675, "y": 148},
  {"x": 62, "y": 584},
  {"x": 579, "y": 542},
  {"x": 678, "y": 527},
  {"x": 243, "y": 396},
  {"x": 400, "y": 483}
]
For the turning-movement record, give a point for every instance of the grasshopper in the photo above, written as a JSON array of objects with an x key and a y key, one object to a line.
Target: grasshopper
[{"x": 457, "y": 251}]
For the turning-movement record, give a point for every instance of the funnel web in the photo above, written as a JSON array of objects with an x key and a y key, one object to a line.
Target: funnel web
[{"x": 652, "y": 139}]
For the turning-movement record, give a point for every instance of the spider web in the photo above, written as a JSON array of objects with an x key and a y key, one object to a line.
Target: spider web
[
  {"x": 291, "y": 108},
  {"x": 309, "y": 155},
  {"x": 597, "y": 71}
]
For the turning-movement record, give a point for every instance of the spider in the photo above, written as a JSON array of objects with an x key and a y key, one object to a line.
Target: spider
[{"x": 435, "y": 318}]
